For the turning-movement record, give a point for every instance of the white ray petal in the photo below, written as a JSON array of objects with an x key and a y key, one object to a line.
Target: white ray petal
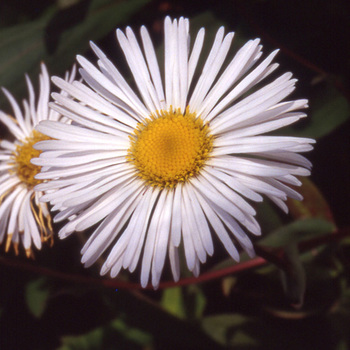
[
  {"x": 12, "y": 126},
  {"x": 138, "y": 227},
  {"x": 42, "y": 110},
  {"x": 77, "y": 170},
  {"x": 174, "y": 261},
  {"x": 190, "y": 252},
  {"x": 210, "y": 69},
  {"x": 195, "y": 54},
  {"x": 218, "y": 227},
  {"x": 248, "y": 82},
  {"x": 103, "y": 207},
  {"x": 193, "y": 232},
  {"x": 201, "y": 221},
  {"x": 255, "y": 103},
  {"x": 140, "y": 243},
  {"x": 17, "y": 111},
  {"x": 176, "y": 218},
  {"x": 138, "y": 68},
  {"x": 153, "y": 65},
  {"x": 15, "y": 208},
  {"x": 232, "y": 72},
  {"x": 31, "y": 104},
  {"x": 152, "y": 234},
  {"x": 129, "y": 96},
  {"x": 161, "y": 244},
  {"x": 92, "y": 119},
  {"x": 183, "y": 63},
  {"x": 234, "y": 184},
  {"x": 106, "y": 234}
]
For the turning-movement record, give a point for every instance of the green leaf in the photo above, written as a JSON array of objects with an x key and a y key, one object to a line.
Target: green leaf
[
  {"x": 101, "y": 19},
  {"x": 146, "y": 315},
  {"x": 328, "y": 110},
  {"x": 227, "y": 330},
  {"x": 116, "y": 332},
  {"x": 341, "y": 311},
  {"x": 196, "y": 302},
  {"x": 313, "y": 205},
  {"x": 267, "y": 216},
  {"x": 89, "y": 341},
  {"x": 23, "y": 47},
  {"x": 297, "y": 231},
  {"x": 21, "y": 50},
  {"x": 133, "y": 334},
  {"x": 227, "y": 285},
  {"x": 36, "y": 294},
  {"x": 293, "y": 276},
  {"x": 172, "y": 301},
  {"x": 184, "y": 303}
]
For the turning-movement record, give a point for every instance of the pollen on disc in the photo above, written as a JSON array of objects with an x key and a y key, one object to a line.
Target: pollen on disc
[
  {"x": 22, "y": 156},
  {"x": 170, "y": 147}
]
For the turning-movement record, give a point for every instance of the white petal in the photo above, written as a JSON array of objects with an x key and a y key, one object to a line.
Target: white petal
[
  {"x": 151, "y": 240},
  {"x": 218, "y": 227}
]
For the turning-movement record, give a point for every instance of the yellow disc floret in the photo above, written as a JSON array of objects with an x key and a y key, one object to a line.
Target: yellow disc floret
[
  {"x": 170, "y": 147},
  {"x": 22, "y": 156}
]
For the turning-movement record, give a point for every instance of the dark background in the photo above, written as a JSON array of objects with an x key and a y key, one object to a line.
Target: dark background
[{"x": 41, "y": 310}]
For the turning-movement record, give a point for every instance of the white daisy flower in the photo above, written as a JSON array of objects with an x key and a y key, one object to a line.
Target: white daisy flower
[
  {"x": 172, "y": 164},
  {"x": 23, "y": 218}
]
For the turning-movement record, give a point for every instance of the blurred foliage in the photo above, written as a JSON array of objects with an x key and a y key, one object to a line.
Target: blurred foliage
[
  {"x": 299, "y": 298},
  {"x": 36, "y": 296},
  {"x": 103, "y": 337}
]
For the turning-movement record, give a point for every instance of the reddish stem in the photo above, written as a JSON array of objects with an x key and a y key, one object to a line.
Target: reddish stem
[{"x": 271, "y": 256}]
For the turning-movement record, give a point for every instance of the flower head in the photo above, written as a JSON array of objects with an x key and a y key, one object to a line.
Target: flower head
[
  {"x": 23, "y": 218},
  {"x": 170, "y": 164}
]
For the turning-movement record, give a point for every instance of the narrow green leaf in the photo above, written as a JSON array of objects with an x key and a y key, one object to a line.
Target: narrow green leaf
[
  {"x": 297, "y": 231},
  {"x": 116, "y": 332},
  {"x": 172, "y": 301},
  {"x": 226, "y": 329},
  {"x": 133, "y": 334},
  {"x": 293, "y": 276},
  {"x": 164, "y": 326},
  {"x": 196, "y": 302},
  {"x": 90, "y": 341},
  {"x": 36, "y": 295}
]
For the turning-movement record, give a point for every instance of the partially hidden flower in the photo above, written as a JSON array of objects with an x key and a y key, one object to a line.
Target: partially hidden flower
[
  {"x": 169, "y": 162},
  {"x": 23, "y": 218}
]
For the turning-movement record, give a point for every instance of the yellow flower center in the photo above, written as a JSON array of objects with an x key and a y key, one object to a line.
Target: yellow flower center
[
  {"x": 24, "y": 169},
  {"x": 170, "y": 147}
]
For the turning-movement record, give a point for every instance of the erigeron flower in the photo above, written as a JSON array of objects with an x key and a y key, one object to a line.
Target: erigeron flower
[
  {"x": 23, "y": 218},
  {"x": 170, "y": 164}
]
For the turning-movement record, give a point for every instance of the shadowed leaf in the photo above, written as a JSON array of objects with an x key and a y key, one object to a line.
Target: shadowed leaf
[
  {"x": 313, "y": 204},
  {"x": 116, "y": 332},
  {"x": 328, "y": 110},
  {"x": 297, "y": 231},
  {"x": 226, "y": 329},
  {"x": 172, "y": 301},
  {"x": 293, "y": 277},
  {"x": 36, "y": 295},
  {"x": 24, "y": 46}
]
